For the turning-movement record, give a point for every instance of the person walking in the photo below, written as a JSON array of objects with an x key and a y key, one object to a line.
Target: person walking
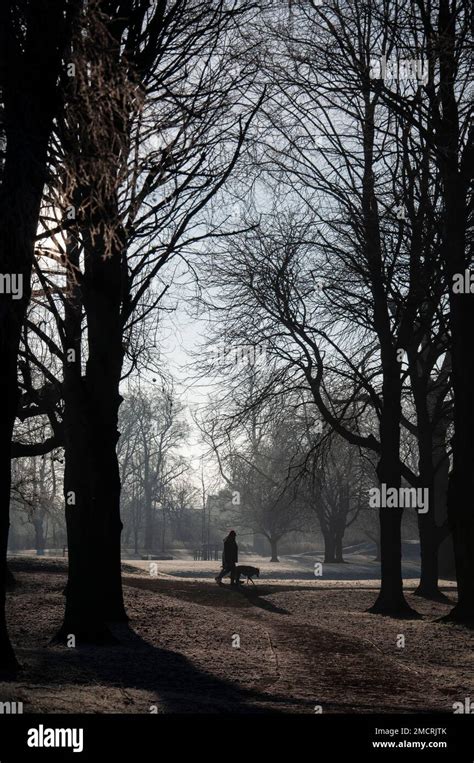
[{"x": 230, "y": 557}]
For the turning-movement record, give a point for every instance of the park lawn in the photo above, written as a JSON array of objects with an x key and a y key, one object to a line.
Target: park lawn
[{"x": 281, "y": 646}]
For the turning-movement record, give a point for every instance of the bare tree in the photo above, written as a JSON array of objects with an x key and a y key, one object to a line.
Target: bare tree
[
  {"x": 149, "y": 453},
  {"x": 337, "y": 491},
  {"x": 260, "y": 456},
  {"x": 442, "y": 31},
  {"x": 351, "y": 281},
  {"x": 133, "y": 211},
  {"x": 33, "y": 39}
]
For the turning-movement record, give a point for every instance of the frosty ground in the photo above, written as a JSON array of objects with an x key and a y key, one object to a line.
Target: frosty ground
[{"x": 306, "y": 644}]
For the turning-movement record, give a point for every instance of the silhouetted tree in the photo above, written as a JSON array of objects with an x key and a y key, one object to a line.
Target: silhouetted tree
[{"x": 33, "y": 39}]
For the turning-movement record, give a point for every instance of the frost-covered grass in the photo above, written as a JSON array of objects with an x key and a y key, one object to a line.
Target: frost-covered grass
[{"x": 301, "y": 644}]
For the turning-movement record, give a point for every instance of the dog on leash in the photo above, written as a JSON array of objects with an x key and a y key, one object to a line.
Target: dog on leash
[{"x": 247, "y": 571}]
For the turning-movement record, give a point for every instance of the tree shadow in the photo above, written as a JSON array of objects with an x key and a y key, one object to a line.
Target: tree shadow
[
  {"x": 178, "y": 684},
  {"x": 254, "y": 597},
  {"x": 39, "y": 563},
  {"x": 213, "y": 596}
]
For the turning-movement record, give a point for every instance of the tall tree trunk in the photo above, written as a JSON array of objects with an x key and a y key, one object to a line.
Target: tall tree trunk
[
  {"x": 440, "y": 492},
  {"x": 427, "y": 527},
  {"x": 103, "y": 292},
  {"x": 84, "y": 616},
  {"x": 8, "y": 661},
  {"x": 461, "y": 482},
  {"x": 429, "y": 545},
  {"x": 453, "y": 151},
  {"x": 29, "y": 72},
  {"x": 391, "y": 600},
  {"x": 455, "y": 171},
  {"x": 11, "y": 318}
]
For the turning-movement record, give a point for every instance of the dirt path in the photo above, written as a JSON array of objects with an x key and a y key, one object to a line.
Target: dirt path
[{"x": 277, "y": 647}]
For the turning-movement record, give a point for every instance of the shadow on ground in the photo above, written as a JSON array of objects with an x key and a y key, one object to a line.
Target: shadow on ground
[
  {"x": 225, "y": 596},
  {"x": 178, "y": 685}
]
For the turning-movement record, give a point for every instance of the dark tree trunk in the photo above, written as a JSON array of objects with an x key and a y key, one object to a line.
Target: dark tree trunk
[
  {"x": 85, "y": 601},
  {"x": 329, "y": 548},
  {"x": 461, "y": 482},
  {"x": 427, "y": 527},
  {"x": 274, "y": 549},
  {"x": 8, "y": 663},
  {"x": 39, "y": 536},
  {"x": 446, "y": 563},
  {"x": 103, "y": 293},
  {"x": 85, "y": 598},
  {"x": 10, "y": 324},
  {"x": 94, "y": 590},
  {"x": 29, "y": 71},
  {"x": 429, "y": 545},
  {"x": 11, "y": 580},
  {"x": 339, "y": 558},
  {"x": 454, "y": 156},
  {"x": 433, "y": 459},
  {"x": 391, "y": 600},
  {"x": 456, "y": 174}
]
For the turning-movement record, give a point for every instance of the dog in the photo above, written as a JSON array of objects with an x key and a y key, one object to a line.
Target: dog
[{"x": 248, "y": 571}]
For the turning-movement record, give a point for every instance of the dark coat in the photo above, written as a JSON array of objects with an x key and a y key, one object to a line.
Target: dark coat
[{"x": 231, "y": 551}]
